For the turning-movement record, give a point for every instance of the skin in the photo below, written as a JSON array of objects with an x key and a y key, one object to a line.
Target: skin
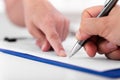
[
  {"x": 14, "y": 10},
  {"x": 42, "y": 20},
  {"x": 50, "y": 27},
  {"x": 107, "y": 28}
]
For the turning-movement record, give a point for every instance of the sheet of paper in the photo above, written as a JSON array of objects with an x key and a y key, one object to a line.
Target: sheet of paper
[{"x": 99, "y": 63}]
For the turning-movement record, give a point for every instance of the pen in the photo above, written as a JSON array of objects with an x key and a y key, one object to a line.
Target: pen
[{"x": 105, "y": 11}]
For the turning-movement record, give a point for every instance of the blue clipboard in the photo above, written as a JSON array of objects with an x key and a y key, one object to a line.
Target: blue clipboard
[{"x": 109, "y": 74}]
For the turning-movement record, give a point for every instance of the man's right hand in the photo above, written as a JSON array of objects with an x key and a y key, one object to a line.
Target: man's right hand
[{"x": 108, "y": 28}]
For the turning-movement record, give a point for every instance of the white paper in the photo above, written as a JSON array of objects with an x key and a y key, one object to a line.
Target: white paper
[{"x": 99, "y": 63}]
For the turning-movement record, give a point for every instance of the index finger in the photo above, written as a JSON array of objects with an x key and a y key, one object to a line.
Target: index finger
[
  {"x": 87, "y": 19},
  {"x": 91, "y": 12},
  {"x": 55, "y": 41},
  {"x": 53, "y": 37}
]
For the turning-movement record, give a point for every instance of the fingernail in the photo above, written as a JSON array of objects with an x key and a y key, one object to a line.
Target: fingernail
[
  {"x": 111, "y": 46},
  {"x": 62, "y": 53}
]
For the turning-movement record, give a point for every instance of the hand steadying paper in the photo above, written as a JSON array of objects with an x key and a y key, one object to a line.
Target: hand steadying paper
[{"x": 43, "y": 21}]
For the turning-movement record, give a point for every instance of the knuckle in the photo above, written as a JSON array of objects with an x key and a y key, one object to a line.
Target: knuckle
[
  {"x": 53, "y": 36},
  {"x": 84, "y": 12},
  {"x": 48, "y": 22}
]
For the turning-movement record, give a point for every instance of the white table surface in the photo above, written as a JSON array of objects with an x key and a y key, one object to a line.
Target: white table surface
[{"x": 14, "y": 68}]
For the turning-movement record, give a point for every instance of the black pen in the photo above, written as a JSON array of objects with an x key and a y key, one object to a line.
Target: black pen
[{"x": 107, "y": 8}]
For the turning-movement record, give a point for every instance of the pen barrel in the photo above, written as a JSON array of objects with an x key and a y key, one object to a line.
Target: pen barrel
[
  {"x": 82, "y": 43},
  {"x": 107, "y": 8}
]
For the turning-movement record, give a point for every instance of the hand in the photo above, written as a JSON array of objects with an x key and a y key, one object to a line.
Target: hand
[
  {"x": 108, "y": 28},
  {"x": 46, "y": 24}
]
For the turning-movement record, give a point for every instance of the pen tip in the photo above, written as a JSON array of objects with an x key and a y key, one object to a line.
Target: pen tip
[{"x": 71, "y": 56}]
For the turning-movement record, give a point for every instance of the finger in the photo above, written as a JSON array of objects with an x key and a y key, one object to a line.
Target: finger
[
  {"x": 89, "y": 23},
  {"x": 91, "y": 47},
  {"x": 60, "y": 27},
  {"x": 54, "y": 40},
  {"x": 105, "y": 47},
  {"x": 41, "y": 40},
  {"x": 66, "y": 29},
  {"x": 91, "y": 12},
  {"x": 53, "y": 37},
  {"x": 115, "y": 55},
  {"x": 35, "y": 32},
  {"x": 45, "y": 47},
  {"x": 93, "y": 26}
]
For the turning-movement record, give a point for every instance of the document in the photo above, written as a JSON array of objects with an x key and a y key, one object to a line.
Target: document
[
  {"x": 98, "y": 63},
  {"x": 81, "y": 62}
]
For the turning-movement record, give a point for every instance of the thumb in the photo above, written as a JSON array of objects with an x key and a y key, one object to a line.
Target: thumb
[{"x": 92, "y": 26}]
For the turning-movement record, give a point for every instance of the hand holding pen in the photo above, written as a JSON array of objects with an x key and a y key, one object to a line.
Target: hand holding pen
[{"x": 105, "y": 27}]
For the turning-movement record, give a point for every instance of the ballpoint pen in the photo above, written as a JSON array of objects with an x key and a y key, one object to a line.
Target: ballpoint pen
[{"x": 105, "y": 11}]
